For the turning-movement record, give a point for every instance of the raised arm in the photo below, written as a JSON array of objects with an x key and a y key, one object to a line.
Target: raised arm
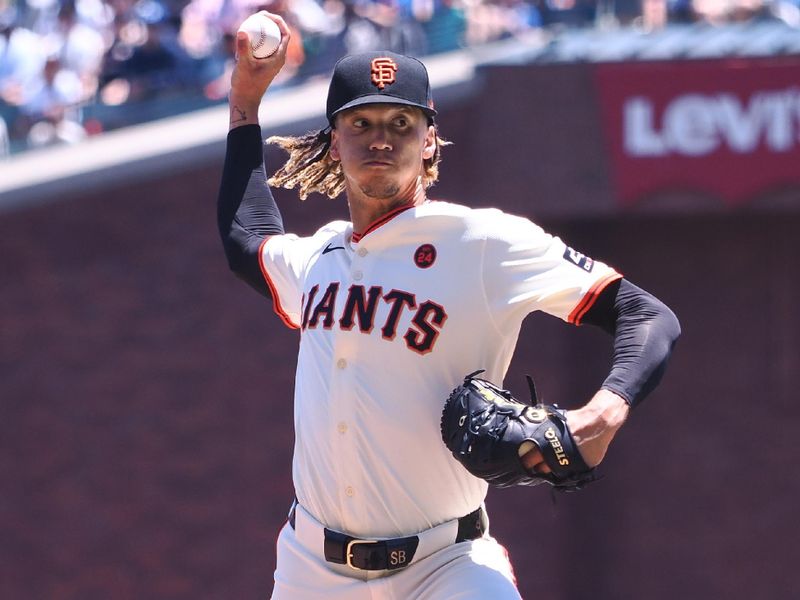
[{"x": 246, "y": 211}]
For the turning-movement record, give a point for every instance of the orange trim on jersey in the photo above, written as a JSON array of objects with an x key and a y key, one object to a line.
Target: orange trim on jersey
[
  {"x": 380, "y": 221},
  {"x": 510, "y": 565},
  {"x": 276, "y": 303},
  {"x": 590, "y": 297}
]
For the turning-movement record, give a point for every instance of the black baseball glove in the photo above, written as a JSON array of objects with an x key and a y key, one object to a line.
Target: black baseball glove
[{"x": 485, "y": 426}]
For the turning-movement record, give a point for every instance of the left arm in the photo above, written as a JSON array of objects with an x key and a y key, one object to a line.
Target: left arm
[{"x": 645, "y": 331}]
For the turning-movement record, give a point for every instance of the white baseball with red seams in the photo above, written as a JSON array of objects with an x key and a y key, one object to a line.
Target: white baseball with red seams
[
  {"x": 263, "y": 33},
  {"x": 388, "y": 324}
]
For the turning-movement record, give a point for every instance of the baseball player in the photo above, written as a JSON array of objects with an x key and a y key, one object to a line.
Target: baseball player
[{"x": 393, "y": 307}]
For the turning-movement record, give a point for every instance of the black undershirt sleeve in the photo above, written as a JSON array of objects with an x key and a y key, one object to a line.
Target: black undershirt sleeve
[
  {"x": 246, "y": 210},
  {"x": 645, "y": 331}
]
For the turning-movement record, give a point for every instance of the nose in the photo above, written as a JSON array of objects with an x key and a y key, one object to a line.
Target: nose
[{"x": 380, "y": 140}]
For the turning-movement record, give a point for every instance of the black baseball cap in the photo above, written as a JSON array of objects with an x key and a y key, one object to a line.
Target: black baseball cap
[{"x": 379, "y": 78}]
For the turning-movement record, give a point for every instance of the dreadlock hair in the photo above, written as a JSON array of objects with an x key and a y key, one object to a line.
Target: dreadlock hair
[{"x": 311, "y": 167}]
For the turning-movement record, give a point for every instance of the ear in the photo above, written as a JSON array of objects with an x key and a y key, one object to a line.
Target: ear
[
  {"x": 333, "y": 151},
  {"x": 429, "y": 149}
]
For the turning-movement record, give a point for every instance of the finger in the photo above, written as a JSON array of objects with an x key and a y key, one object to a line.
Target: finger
[
  {"x": 242, "y": 44},
  {"x": 534, "y": 461},
  {"x": 286, "y": 34},
  {"x": 532, "y": 458}
]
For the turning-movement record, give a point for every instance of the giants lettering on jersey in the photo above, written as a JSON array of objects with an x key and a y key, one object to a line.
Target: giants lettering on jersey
[{"x": 361, "y": 305}]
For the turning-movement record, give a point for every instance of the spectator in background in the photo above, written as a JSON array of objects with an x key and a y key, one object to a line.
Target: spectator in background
[
  {"x": 444, "y": 22},
  {"x": 680, "y": 11},
  {"x": 55, "y": 128},
  {"x": 489, "y": 21},
  {"x": 712, "y": 12},
  {"x": 49, "y": 73},
  {"x": 721, "y": 12},
  {"x": 361, "y": 32},
  {"x": 147, "y": 61},
  {"x": 567, "y": 13},
  {"x": 52, "y": 106},
  {"x": 397, "y": 26},
  {"x": 654, "y": 15},
  {"x": 57, "y": 86},
  {"x": 22, "y": 58},
  {"x": 205, "y": 22},
  {"x": 80, "y": 46}
]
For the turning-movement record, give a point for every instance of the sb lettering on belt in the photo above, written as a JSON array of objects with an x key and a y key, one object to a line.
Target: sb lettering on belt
[
  {"x": 369, "y": 555},
  {"x": 388, "y": 554}
]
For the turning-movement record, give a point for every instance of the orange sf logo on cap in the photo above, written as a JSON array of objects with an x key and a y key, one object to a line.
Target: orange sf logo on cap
[{"x": 383, "y": 70}]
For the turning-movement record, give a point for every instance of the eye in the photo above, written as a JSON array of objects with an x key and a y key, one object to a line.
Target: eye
[
  {"x": 401, "y": 122},
  {"x": 360, "y": 123}
]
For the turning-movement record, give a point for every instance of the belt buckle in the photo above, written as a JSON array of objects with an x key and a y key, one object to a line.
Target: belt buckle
[{"x": 349, "y": 553}]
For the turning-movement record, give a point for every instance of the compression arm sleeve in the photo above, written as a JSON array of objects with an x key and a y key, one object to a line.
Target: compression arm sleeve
[
  {"x": 645, "y": 331},
  {"x": 246, "y": 210}
]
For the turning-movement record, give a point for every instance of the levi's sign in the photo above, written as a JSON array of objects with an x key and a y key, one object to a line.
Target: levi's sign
[
  {"x": 699, "y": 124},
  {"x": 728, "y": 129}
]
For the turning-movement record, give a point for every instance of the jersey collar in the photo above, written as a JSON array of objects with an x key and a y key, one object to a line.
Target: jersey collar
[{"x": 356, "y": 237}]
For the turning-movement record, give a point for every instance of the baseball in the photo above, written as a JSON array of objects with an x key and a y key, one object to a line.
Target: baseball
[{"x": 263, "y": 33}]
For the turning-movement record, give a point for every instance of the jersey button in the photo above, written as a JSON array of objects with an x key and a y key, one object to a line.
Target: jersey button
[
  {"x": 349, "y": 491},
  {"x": 357, "y": 275},
  {"x": 342, "y": 427},
  {"x": 362, "y": 252},
  {"x": 341, "y": 363}
]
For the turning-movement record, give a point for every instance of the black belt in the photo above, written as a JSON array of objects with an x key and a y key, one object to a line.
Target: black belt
[{"x": 379, "y": 555}]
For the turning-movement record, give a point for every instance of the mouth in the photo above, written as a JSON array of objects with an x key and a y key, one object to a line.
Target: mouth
[{"x": 377, "y": 163}]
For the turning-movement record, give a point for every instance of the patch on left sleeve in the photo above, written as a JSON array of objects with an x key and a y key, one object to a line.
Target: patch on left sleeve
[{"x": 579, "y": 259}]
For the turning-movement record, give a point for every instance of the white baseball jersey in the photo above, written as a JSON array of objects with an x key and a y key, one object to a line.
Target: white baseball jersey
[{"x": 391, "y": 320}]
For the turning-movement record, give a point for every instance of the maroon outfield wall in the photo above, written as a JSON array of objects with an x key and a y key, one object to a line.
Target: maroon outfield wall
[{"x": 145, "y": 435}]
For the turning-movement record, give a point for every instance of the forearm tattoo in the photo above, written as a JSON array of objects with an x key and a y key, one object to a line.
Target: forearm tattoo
[{"x": 237, "y": 115}]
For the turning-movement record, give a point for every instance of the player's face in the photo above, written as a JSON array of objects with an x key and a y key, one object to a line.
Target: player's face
[{"x": 381, "y": 148}]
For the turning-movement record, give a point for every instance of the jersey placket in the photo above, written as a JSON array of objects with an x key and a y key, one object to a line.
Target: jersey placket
[{"x": 349, "y": 476}]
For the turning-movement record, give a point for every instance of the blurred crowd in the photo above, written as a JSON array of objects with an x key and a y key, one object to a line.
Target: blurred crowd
[{"x": 74, "y": 68}]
